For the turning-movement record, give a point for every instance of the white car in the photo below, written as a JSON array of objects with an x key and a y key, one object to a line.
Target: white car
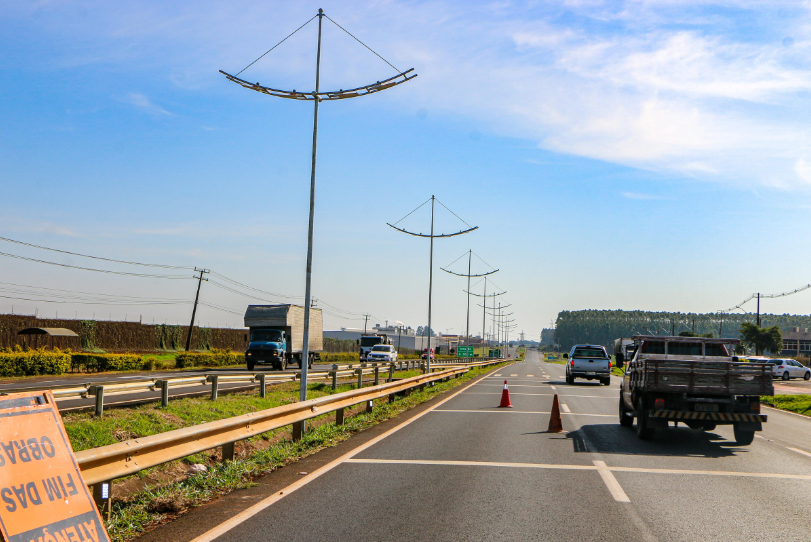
[
  {"x": 788, "y": 369},
  {"x": 382, "y": 352}
]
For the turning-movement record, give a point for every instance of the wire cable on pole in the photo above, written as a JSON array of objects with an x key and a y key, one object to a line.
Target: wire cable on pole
[
  {"x": 356, "y": 39},
  {"x": 269, "y": 50}
]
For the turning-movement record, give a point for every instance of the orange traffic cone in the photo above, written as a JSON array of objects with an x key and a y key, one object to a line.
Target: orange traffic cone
[
  {"x": 555, "y": 423},
  {"x": 505, "y": 397}
]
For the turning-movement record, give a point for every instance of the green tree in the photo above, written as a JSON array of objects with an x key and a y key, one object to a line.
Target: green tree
[{"x": 762, "y": 339}]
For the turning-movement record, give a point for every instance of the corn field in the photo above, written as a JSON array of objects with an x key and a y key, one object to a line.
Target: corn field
[{"x": 118, "y": 336}]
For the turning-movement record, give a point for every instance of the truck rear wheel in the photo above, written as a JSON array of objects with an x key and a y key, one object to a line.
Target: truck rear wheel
[
  {"x": 743, "y": 437},
  {"x": 642, "y": 430},
  {"x": 626, "y": 418}
]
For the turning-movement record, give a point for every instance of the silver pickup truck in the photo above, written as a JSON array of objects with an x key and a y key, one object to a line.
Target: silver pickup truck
[{"x": 589, "y": 361}]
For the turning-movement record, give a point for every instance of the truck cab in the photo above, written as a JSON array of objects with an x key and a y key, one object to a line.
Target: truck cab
[{"x": 267, "y": 346}]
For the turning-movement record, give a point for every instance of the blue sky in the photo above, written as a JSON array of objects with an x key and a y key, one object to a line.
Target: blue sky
[{"x": 638, "y": 155}]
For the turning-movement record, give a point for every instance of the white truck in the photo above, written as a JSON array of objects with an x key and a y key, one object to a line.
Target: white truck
[
  {"x": 367, "y": 341},
  {"x": 277, "y": 335}
]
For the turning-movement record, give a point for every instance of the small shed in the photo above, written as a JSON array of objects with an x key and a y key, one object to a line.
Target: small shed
[{"x": 54, "y": 332}]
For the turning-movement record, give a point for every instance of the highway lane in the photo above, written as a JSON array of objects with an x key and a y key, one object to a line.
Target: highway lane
[{"x": 465, "y": 470}]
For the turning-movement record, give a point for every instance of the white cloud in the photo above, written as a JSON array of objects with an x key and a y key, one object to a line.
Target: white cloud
[
  {"x": 664, "y": 85},
  {"x": 636, "y": 195},
  {"x": 142, "y": 102}
]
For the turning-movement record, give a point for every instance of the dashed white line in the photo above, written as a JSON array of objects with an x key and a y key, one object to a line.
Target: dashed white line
[
  {"x": 565, "y": 407},
  {"x": 598, "y": 465},
  {"x": 614, "y": 487}
]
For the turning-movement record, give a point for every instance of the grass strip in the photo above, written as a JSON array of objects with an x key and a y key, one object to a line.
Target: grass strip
[
  {"x": 799, "y": 404},
  {"x": 259, "y": 455}
]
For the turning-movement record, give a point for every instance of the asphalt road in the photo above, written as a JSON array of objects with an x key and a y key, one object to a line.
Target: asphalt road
[{"x": 462, "y": 469}]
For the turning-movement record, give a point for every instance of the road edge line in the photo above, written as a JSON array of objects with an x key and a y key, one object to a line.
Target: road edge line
[{"x": 248, "y": 513}]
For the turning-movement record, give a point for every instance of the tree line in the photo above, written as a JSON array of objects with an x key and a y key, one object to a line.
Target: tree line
[{"x": 603, "y": 326}]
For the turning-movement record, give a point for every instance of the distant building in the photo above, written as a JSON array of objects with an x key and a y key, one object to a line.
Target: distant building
[
  {"x": 797, "y": 342},
  {"x": 405, "y": 337}
]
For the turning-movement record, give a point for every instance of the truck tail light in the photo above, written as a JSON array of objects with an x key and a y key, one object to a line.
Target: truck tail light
[
  {"x": 609, "y": 365},
  {"x": 659, "y": 404},
  {"x": 571, "y": 363}
]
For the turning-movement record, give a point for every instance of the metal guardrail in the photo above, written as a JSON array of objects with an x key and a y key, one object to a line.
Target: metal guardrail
[
  {"x": 102, "y": 390},
  {"x": 106, "y": 463}
]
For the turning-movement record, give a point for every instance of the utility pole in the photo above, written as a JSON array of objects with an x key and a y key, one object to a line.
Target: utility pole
[
  {"x": 200, "y": 280},
  {"x": 365, "y": 320},
  {"x": 433, "y": 200},
  {"x": 316, "y": 97},
  {"x": 469, "y": 276},
  {"x": 758, "y": 309}
]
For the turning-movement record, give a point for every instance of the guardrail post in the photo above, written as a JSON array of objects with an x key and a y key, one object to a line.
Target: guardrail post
[
  {"x": 377, "y": 375},
  {"x": 214, "y": 379},
  {"x": 334, "y": 376},
  {"x": 102, "y": 493},
  {"x": 228, "y": 451},
  {"x": 360, "y": 377},
  {"x": 298, "y": 431},
  {"x": 164, "y": 387},
  {"x": 262, "y": 390},
  {"x": 370, "y": 405},
  {"x": 422, "y": 368},
  {"x": 391, "y": 372},
  {"x": 339, "y": 416},
  {"x": 98, "y": 391}
]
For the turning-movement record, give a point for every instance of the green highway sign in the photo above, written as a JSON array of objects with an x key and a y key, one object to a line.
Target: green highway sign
[
  {"x": 495, "y": 353},
  {"x": 465, "y": 351}
]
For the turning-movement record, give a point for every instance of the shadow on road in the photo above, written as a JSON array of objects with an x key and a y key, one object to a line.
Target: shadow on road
[{"x": 674, "y": 441}]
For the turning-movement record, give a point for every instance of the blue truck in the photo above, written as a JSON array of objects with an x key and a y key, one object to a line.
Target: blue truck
[{"x": 277, "y": 336}]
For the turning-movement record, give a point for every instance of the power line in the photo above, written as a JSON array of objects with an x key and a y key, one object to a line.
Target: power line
[
  {"x": 92, "y": 257},
  {"x": 143, "y": 275}
]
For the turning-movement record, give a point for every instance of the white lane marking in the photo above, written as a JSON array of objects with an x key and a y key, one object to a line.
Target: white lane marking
[
  {"x": 552, "y": 387},
  {"x": 565, "y": 408},
  {"x": 611, "y": 482},
  {"x": 496, "y": 375},
  {"x": 552, "y": 466},
  {"x": 513, "y": 411},
  {"x": 248, "y": 513},
  {"x": 544, "y": 394},
  {"x": 799, "y": 451},
  {"x": 512, "y": 386},
  {"x": 530, "y": 376},
  {"x": 513, "y": 375}
]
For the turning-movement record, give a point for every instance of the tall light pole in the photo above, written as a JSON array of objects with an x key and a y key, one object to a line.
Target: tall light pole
[
  {"x": 484, "y": 309},
  {"x": 316, "y": 97},
  {"x": 433, "y": 200},
  {"x": 469, "y": 276}
]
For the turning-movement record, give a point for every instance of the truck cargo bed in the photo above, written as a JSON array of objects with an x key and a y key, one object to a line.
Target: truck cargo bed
[{"x": 700, "y": 374}]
